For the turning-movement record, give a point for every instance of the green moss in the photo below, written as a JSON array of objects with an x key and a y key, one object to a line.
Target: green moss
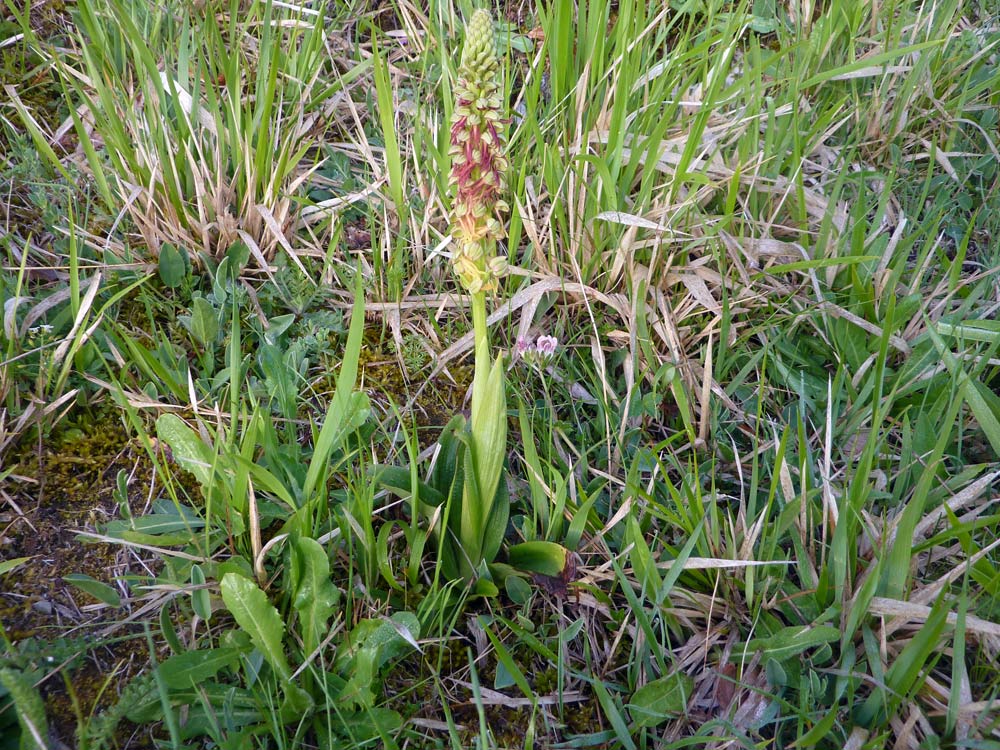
[
  {"x": 433, "y": 404},
  {"x": 411, "y": 690},
  {"x": 64, "y": 483}
]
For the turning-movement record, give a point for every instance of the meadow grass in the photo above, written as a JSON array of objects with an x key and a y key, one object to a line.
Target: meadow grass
[{"x": 765, "y": 236}]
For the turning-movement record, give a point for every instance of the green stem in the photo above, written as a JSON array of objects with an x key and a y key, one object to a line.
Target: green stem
[{"x": 482, "y": 333}]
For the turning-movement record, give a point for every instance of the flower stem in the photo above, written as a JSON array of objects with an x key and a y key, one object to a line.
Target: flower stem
[
  {"x": 482, "y": 346},
  {"x": 482, "y": 333}
]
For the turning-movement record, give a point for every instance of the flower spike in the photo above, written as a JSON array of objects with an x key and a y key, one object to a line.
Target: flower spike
[{"x": 479, "y": 167}]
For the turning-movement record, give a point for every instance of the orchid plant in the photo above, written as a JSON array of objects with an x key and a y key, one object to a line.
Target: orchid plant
[
  {"x": 478, "y": 179},
  {"x": 467, "y": 479}
]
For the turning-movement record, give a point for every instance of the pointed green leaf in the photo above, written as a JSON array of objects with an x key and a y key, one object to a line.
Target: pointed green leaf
[
  {"x": 794, "y": 640},
  {"x": 97, "y": 589},
  {"x": 547, "y": 558},
  {"x": 172, "y": 265},
  {"x": 316, "y": 597},
  {"x": 349, "y": 409},
  {"x": 484, "y": 463},
  {"x": 192, "y": 668},
  {"x": 8, "y": 565},
  {"x": 189, "y": 451},
  {"x": 258, "y": 618},
  {"x": 661, "y": 699},
  {"x": 201, "y": 602},
  {"x": 496, "y": 524}
]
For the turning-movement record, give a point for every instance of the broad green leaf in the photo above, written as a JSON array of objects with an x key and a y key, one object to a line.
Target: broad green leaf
[
  {"x": 483, "y": 463},
  {"x": 489, "y": 433},
  {"x": 173, "y": 265},
  {"x": 316, "y": 597},
  {"x": 661, "y": 699},
  {"x": 397, "y": 480},
  {"x": 517, "y": 589},
  {"x": 166, "y": 518},
  {"x": 203, "y": 323},
  {"x": 169, "y": 632},
  {"x": 192, "y": 668},
  {"x": 371, "y": 645},
  {"x": 447, "y": 472},
  {"x": 547, "y": 558},
  {"x": 579, "y": 523},
  {"x": 189, "y": 451},
  {"x": 97, "y": 589},
  {"x": 277, "y": 326},
  {"x": 258, "y": 618},
  {"x": 496, "y": 523}
]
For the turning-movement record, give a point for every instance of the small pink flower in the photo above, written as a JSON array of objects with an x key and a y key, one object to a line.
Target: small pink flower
[
  {"x": 539, "y": 352},
  {"x": 546, "y": 345}
]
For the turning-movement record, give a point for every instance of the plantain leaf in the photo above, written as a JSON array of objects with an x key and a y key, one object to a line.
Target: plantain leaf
[
  {"x": 794, "y": 640},
  {"x": 174, "y": 265},
  {"x": 258, "y": 618},
  {"x": 192, "y": 668},
  {"x": 316, "y": 597},
  {"x": 189, "y": 451},
  {"x": 397, "y": 480},
  {"x": 201, "y": 602}
]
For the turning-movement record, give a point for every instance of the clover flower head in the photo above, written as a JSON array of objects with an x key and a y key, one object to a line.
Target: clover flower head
[
  {"x": 539, "y": 352},
  {"x": 546, "y": 345}
]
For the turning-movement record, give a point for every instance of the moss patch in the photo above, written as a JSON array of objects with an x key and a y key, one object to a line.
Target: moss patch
[{"x": 58, "y": 488}]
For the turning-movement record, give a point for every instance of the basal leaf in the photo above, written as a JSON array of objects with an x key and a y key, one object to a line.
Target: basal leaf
[
  {"x": 97, "y": 589},
  {"x": 316, "y": 597},
  {"x": 189, "y": 451},
  {"x": 192, "y": 668},
  {"x": 547, "y": 558},
  {"x": 258, "y": 617},
  {"x": 661, "y": 699}
]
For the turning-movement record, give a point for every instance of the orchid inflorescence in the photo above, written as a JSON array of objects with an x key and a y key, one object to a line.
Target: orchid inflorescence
[{"x": 479, "y": 167}]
